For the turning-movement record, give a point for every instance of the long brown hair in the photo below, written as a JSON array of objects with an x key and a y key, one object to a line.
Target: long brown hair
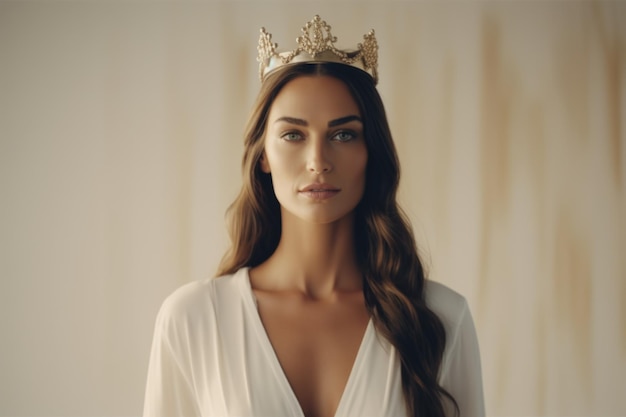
[{"x": 393, "y": 275}]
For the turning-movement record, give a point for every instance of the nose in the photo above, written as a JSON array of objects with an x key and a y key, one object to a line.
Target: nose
[{"x": 318, "y": 161}]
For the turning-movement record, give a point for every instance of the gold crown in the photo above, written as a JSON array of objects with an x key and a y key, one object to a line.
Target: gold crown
[{"x": 317, "y": 45}]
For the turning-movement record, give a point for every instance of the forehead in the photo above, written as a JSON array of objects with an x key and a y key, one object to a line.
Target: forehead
[{"x": 312, "y": 97}]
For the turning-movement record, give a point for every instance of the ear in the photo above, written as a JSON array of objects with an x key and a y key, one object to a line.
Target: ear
[{"x": 264, "y": 164}]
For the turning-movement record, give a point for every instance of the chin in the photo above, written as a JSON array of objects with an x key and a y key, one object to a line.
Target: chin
[
  {"x": 324, "y": 218},
  {"x": 321, "y": 213}
]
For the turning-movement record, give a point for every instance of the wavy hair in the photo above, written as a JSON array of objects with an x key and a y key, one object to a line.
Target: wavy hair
[{"x": 393, "y": 275}]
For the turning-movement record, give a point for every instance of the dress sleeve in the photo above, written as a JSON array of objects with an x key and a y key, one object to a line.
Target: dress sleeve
[
  {"x": 462, "y": 376},
  {"x": 169, "y": 388}
]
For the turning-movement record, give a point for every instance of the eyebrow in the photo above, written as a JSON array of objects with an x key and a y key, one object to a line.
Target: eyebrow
[
  {"x": 344, "y": 120},
  {"x": 332, "y": 123}
]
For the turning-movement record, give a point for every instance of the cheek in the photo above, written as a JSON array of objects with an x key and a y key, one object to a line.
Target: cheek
[
  {"x": 358, "y": 162},
  {"x": 280, "y": 156},
  {"x": 282, "y": 167}
]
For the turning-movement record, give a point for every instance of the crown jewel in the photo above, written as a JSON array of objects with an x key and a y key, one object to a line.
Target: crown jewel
[{"x": 317, "y": 44}]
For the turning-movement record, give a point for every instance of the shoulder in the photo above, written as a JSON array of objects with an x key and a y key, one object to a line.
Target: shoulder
[
  {"x": 450, "y": 306},
  {"x": 443, "y": 300},
  {"x": 198, "y": 300}
]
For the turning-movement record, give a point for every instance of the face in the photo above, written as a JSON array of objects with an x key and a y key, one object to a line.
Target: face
[{"x": 315, "y": 150}]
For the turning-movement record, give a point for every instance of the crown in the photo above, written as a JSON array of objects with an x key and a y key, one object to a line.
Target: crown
[{"x": 317, "y": 44}]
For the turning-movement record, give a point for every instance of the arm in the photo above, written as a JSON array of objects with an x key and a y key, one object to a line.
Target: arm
[
  {"x": 462, "y": 375},
  {"x": 169, "y": 389}
]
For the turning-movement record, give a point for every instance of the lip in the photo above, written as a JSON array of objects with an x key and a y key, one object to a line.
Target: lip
[
  {"x": 319, "y": 191},
  {"x": 319, "y": 186}
]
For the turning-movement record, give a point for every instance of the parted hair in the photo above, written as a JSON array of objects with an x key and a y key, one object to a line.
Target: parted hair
[{"x": 393, "y": 275}]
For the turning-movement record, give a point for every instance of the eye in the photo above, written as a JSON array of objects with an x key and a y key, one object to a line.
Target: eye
[
  {"x": 344, "y": 136},
  {"x": 292, "y": 136}
]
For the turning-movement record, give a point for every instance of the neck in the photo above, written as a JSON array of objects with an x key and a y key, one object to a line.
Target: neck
[{"x": 317, "y": 260}]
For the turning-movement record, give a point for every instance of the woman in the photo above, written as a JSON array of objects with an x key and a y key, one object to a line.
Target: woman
[{"x": 321, "y": 307}]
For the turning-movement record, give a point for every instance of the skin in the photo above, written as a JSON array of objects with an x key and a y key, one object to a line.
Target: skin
[{"x": 309, "y": 291}]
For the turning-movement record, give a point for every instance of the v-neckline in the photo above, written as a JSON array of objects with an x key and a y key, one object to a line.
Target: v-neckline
[{"x": 278, "y": 370}]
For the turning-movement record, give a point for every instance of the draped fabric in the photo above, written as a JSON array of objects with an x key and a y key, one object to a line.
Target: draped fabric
[
  {"x": 120, "y": 148},
  {"x": 212, "y": 357}
]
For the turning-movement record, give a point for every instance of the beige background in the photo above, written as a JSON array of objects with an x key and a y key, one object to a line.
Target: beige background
[{"x": 120, "y": 142}]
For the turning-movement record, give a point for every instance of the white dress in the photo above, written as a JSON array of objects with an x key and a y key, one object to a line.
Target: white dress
[{"x": 211, "y": 357}]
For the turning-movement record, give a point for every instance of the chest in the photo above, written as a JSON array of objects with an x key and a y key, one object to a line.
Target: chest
[
  {"x": 316, "y": 347},
  {"x": 235, "y": 367}
]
